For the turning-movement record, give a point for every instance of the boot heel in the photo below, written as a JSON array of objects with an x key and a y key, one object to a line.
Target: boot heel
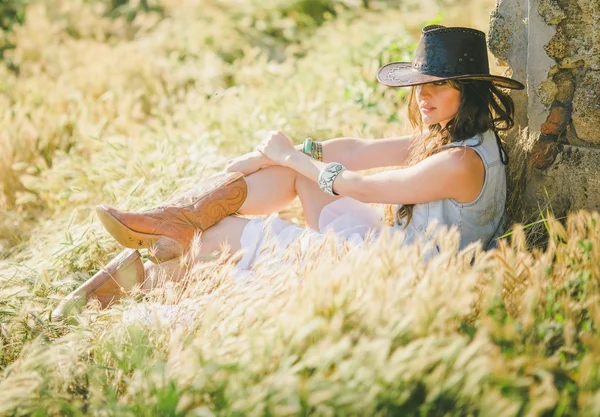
[{"x": 165, "y": 249}]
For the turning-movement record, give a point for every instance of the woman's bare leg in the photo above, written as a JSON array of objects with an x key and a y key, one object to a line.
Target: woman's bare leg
[
  {"x": 270, "y": 189},
  {"x": 263, "y": 198},
  {"x": 274, "y": 188},
  {"x": 313, "y": 200},
  {"x": 226, "y": 233}
]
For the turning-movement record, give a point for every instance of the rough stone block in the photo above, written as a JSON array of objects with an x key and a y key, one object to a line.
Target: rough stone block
[
  {"x": 557, "y": 120},
  {"x": 543, "y": 153},
  {"x": 577, "y": 41},
  {"x": 558, "y": 47},
  {"x": 565, "y": 85},
  {"x": 572, "y": 181},
  {"x": 558, "y": 52},
  {"x": 499, "y": 37},
  {"x": 551, "y": 11},
  {"x": 547, "y": 92},
  {"x": 586, "y": 108}
]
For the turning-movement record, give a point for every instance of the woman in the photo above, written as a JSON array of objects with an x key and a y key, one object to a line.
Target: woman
[{"x": 454, "y": 176}]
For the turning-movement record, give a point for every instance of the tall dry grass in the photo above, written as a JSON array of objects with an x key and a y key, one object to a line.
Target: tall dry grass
[{"x": 131, "y": 108}]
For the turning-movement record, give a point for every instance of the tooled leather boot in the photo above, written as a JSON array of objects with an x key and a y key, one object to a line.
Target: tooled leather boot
[
  {"x": 168, "y": 230},
  {"x": 108, "y": 285}
]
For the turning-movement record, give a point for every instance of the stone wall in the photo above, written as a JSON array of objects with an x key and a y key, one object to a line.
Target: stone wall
[{"x": 553, "y": 46}]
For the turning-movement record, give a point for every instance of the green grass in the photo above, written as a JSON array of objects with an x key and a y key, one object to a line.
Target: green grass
[{"x": 130, "y": 106}]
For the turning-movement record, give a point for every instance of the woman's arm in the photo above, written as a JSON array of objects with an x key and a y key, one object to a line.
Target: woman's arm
[
  {"x": 456, "y": 173},
  {"x": 355, "y": 154},
  {"x": 358, "y": 154}
]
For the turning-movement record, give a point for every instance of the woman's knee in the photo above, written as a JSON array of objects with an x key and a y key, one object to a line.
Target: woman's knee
[
  {"x": 273, "y": 178},
  {"x": 288, "y": 173},
  {"x": 280, "y": 170}
]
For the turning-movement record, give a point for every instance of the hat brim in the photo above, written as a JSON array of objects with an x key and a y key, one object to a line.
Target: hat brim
[{"x": 405, "y": 75}]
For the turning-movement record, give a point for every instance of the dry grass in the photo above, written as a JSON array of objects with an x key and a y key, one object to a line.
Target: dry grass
[{"x": 132, "y": 112}]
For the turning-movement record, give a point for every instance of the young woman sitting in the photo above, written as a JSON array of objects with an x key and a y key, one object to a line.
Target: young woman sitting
[{"x": 454, "y": 175}]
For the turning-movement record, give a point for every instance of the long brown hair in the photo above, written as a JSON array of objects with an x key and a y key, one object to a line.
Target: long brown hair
[{"x": 482, "y": 106}]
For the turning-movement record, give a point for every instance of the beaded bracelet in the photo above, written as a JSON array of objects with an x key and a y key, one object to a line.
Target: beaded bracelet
[
  {"x": 318, "y": 151},
  {"x": 313, "y": 149},
  {"x": 328, "y": 175}
]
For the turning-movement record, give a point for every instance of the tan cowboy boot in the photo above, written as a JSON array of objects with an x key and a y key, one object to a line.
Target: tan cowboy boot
[
  {"x": 168, "y": 230},
  {"x": 108, "y": 285}
]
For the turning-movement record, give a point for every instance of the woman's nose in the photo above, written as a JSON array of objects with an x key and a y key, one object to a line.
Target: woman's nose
[{"x": 423, "y": 91}]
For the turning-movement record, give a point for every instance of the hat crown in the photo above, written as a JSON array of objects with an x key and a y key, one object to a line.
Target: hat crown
[
  {"x": 445, "y": 53},
  {"x": 451, "y": 51}
]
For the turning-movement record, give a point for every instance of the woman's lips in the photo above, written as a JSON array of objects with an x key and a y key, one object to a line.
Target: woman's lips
[{"x": 426, "y": 110}]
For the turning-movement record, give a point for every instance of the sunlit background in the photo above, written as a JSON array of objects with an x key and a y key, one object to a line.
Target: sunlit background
[{"x": 131, "y": 102}]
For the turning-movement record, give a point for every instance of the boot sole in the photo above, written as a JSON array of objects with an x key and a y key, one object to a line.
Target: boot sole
[{"x": 161, "y": 248}]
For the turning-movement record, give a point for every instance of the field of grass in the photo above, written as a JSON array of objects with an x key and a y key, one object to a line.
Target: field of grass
[{"x": 130, "y": 103}]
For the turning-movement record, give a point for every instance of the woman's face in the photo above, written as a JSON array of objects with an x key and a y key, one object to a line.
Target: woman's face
[{"x": 438, "y": 102}]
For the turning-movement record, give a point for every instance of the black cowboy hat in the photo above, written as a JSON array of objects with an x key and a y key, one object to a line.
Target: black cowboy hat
[{"x": 445, "y": 53}]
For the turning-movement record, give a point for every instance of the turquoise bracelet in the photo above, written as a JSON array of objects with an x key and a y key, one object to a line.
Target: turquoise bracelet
[{"x": 307, "y": 148}]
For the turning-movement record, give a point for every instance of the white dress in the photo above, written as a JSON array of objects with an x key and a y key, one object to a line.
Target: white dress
[
  {"x": 349, "y": 219},
  {"x": 265, "y": 241}
]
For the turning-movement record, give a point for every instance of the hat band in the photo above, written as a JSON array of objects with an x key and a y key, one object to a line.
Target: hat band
[{"x": 446, "y": 70}]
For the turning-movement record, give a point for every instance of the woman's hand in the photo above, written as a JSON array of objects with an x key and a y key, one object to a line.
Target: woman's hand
[
  {"x": 248, "y": 163},
  {"x": 277, "y": 147}
]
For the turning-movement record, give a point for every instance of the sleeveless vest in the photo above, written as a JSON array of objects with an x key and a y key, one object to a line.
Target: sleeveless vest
[{"x": 483, "y": 218}]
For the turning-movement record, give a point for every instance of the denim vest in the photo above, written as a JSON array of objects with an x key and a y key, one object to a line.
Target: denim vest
[{"x": 483, "y": 218}]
